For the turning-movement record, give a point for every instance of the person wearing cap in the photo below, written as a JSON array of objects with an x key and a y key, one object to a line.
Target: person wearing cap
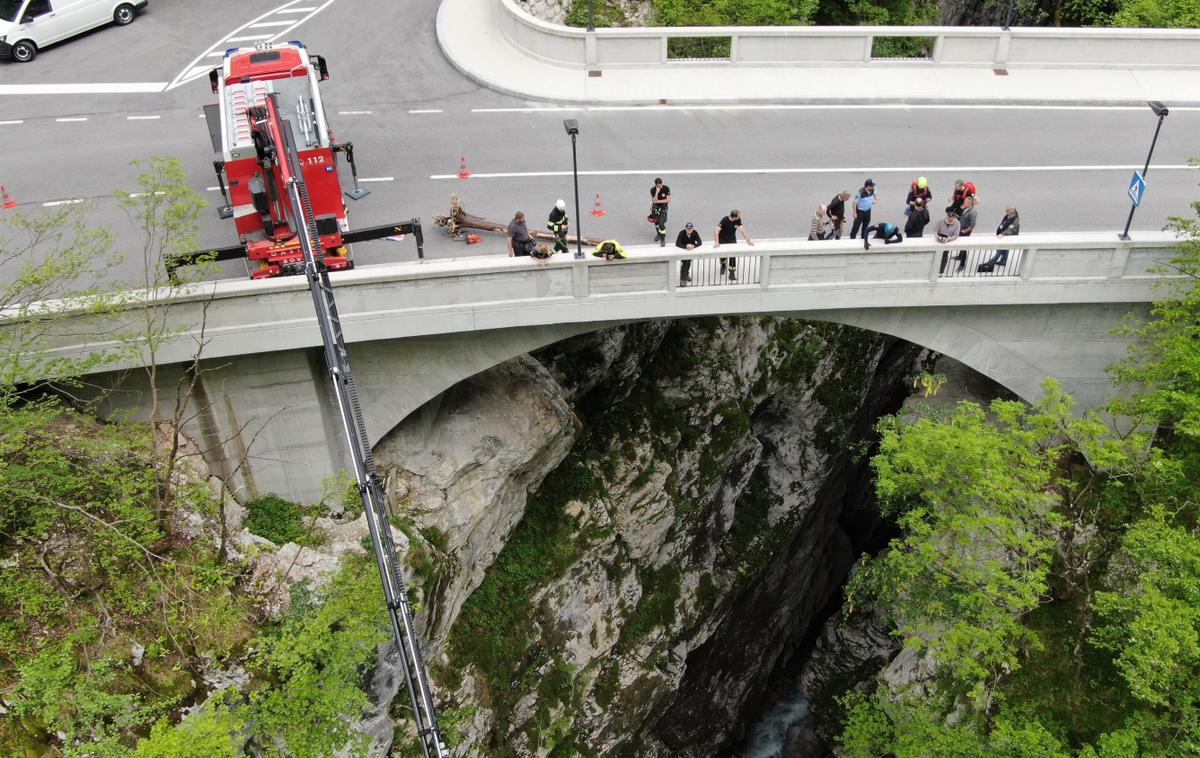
[
  {"x": 864, "y": 201},
  {"x": 918, "y": 191},
  {"x": 837, "y": 213},
  {"x": 886, "y": 231},
  {"x": 558, "y": 223},
  {"x": 688, "y": 239},
  {"x": 945, "y": 232},
  {"x": 660, "y": 198}
]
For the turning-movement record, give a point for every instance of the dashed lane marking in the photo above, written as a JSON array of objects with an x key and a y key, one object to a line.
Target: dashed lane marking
[
  {"x": 354, "y": 113},
  {"x": 72, "y": 201},
  {"x": 377, "y": 179},
  {"x": 10, "y": 123},
  {"x": 142, "y": 118},
  {"x": 850, "y": 170},
  {"x": 145, "y": 194},
  {"x": 71, "y": 119},
  {"x": 427, "y": 110}
]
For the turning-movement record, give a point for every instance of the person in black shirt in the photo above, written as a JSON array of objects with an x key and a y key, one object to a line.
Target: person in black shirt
[
  {"x": 726, "y": 233},
  {"x": 688, "y": 239},
  {"x": 837, "y": 213},
  {"x": 917, "y": 219},
  {"x": 889, "y": 233},
  {"x": 660, "y": 198}
]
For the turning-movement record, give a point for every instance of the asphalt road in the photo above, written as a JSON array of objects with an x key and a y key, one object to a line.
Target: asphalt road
[{"x": 411, "y": 116}]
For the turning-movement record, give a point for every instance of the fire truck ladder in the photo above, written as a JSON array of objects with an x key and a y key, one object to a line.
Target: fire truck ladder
[{"x": 337, "y": 363}]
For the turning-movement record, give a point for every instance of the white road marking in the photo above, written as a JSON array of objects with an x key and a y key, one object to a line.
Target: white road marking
[
  {"x": 248, "y": 38},
  {"x": 268, "y": 24},
  {"x": 354, "y": 113},
  {"x": 109, "y": 88},
  {"x": 213, "y": 189},
  {"x": 53, "y": 203},
  {"x": 867, "y": 171},
  {"x": 216, "y": 54},
  {"x": 7, "y": 123},
  {"x": 194, "y": 71},
  {"x": 378, "y": 179},
  {"x": 71, "y": 119},
  {"x": 142, "y": 118},
  {"x": 145, "y": 194},
  {"x": 427, "y": 110},
  {"x": 821, "y": 107}
]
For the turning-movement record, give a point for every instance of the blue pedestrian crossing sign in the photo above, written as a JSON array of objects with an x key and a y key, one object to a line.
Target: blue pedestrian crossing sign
[{"x": 1137, "y": 188}]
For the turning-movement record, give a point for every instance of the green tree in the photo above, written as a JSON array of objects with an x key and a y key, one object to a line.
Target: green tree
[{"x": 1158, "y": 13}]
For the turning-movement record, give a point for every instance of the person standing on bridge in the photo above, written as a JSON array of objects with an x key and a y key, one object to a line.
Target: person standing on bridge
[
  {"x": 945, "y": 232},
  {"x": 558, "y": 223},
  {"x": 966, "y": 225},
  {"x": 962, "y": 190},
  {"x": 917, "y": 219},
  {"x": 688, "y": 239},
  {"x": 1010, "y": 226},
  {"x": 660, "y": 198},
  {"x": 726, "y": 233},
  {"x": 821, "y": 227},
  {"x": 519, "y": 241},
  {"x": 864, "y": 201},
  {"x": 837, "y": 213},
  {"x": 918, "y": 191}
]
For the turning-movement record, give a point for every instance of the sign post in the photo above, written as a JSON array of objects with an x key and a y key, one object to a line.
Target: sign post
[{"x": 1137, "y": 185}]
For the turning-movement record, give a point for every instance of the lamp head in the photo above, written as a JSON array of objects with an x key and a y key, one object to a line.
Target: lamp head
[
  {"x": 1159, "y": 109},
  {"x": 571, "y": 125}
]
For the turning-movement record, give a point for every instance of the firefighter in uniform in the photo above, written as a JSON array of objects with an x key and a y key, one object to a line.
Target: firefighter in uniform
[
  {"x": 660, "y": 197},
  {"x": 558, "y": 223}
]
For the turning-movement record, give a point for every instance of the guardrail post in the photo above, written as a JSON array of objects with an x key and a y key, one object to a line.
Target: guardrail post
[
  {"x": 936, "y": 55},
  {"x": 870, "y": 47},
  {"x": 589, "y": 49},
  {"x": 1120, "y": 260},
  {"x": 663, "y": 55},
  {"x": 1003, "y": 43},
  {"x": 1028, "y": 256},
  {"x": 581, "y": 285}
]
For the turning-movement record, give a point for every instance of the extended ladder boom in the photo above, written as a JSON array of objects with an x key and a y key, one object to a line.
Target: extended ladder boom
[{"x": 338, "y": 364}]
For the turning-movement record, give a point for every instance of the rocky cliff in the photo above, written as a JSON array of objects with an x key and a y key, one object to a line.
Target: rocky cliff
[{"x": 619, "y": 540}]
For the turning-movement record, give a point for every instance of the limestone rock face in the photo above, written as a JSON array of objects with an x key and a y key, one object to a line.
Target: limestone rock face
[
  {"x": 635, "y": 530},
  {"x": 464, "y": 463}
]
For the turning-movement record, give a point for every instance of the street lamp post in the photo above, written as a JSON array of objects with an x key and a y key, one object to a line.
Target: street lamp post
[
  {"x": 1161, "y": 111},
  {"x": 591, "y": 15},
  {"x": 1012, "y": 7},
  {"x": 572, "y": 127}
]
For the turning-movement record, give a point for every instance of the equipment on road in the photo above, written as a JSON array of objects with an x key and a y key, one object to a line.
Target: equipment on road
[
  {"x": 250, "y": 172},
  {"x": 458, "y": 219},
  {"x": 301, "y": 229},
  {"x": 8, "y": 201}
]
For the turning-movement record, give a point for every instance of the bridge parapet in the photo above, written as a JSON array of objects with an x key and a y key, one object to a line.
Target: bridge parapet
[
  {"x": 397, "y": 301},
  {"x": 1043, "y": 47}
]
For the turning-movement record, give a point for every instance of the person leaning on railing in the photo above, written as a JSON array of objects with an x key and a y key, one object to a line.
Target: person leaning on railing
[{"x": 1010, "y": 226}]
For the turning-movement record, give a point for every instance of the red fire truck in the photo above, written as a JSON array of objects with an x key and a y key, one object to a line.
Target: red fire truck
[{"x": 248, "y": 170}]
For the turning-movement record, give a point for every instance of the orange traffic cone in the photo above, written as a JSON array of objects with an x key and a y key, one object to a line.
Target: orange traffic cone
[
  {"x": 598, "y": 207},
  {"x": 8, "y": 199},
  {"x": 462, "y": 168}
]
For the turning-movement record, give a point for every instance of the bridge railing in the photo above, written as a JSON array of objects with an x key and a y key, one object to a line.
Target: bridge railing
[
  {"x": 439, "y": 297},
  {"x": 846, "y": 45}
]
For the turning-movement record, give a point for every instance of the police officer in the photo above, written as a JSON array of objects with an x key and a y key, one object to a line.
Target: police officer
[
  {"x": 660, "y": 197},
  {"x": 558, "y": 223}
]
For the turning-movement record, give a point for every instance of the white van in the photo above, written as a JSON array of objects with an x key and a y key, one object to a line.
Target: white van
[{"x": 27, "y": 26}]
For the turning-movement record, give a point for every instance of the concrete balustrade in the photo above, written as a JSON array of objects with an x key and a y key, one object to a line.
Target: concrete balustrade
[
  {"x": 829, "y": 45},
  {"x": 406, "y": 300}
]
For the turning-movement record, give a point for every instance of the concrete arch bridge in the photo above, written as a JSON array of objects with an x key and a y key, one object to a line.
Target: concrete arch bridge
[{"x": 414, "y": 330}]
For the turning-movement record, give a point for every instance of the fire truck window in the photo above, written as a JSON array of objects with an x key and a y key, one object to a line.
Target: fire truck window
[{"x": 37, "y": 8}]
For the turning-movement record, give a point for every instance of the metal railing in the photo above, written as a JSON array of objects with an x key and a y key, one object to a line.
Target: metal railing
[
  {"x": 979, "y": 262},
  {"x": 720, "y": 272}
]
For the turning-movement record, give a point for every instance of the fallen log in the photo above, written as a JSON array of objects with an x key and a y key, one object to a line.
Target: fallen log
[{"x": 458, "y": 219}]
